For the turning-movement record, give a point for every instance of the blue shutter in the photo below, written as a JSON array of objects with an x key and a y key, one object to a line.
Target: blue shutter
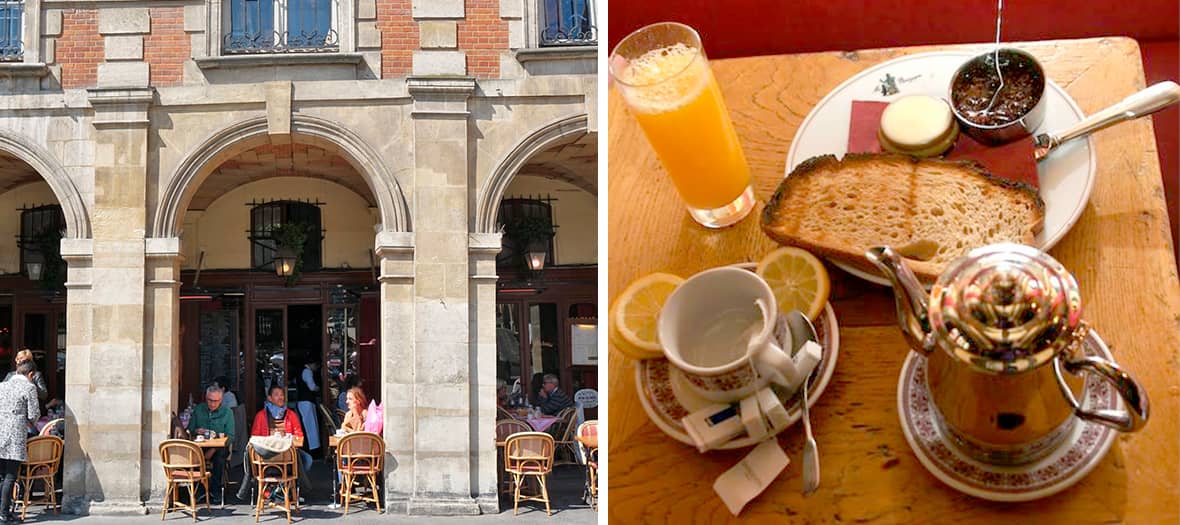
[
  {"x": 10, "y": 29},
  {"x": 308, "y": 23},
  {"x": 251, "y": 24}
]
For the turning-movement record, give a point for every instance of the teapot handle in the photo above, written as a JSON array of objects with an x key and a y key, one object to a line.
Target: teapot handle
[{"x": 1132, "y": 393}]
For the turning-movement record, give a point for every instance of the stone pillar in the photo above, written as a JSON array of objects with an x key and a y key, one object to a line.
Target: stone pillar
[
  {"x": 76, "y": 464},
  {"x": 482, "y": 248},
  {"x": 396, "y": 253},
  {"x": 161, "y": 354},
  {"x": 445, "y": 480},
  {"x": 112, "y": 429}
]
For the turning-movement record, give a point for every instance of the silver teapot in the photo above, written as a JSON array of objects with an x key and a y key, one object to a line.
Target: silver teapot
[{"x": 998, "y": 328}]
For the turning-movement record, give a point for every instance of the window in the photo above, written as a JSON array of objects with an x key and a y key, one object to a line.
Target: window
[
  {"x": 41, "y": 230},
  {"x": 11, "y": 46},
  {"x": 568, "y": 22},
  {"x": 280, "y": 26},
  {"x": 265, "y": 218},
  {"x": 529, "y": 213}
]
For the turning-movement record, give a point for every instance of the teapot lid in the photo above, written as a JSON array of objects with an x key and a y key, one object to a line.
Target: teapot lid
[{"x": 1006, "y": 308}]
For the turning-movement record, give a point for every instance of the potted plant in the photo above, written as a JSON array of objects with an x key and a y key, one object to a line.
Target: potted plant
[
  {"x": 290, "y": 239},
  {"x": 531, "y": 235}
]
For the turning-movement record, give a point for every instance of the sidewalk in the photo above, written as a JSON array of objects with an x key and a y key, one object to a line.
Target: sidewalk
[{"x": 565, "y": 494}]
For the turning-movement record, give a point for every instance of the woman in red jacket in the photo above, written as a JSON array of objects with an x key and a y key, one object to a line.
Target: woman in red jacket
[{"x": 275, "y": 418}]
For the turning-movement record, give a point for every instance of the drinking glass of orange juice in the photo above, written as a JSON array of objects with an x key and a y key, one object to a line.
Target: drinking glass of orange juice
[{"x": 662, "y": 73}]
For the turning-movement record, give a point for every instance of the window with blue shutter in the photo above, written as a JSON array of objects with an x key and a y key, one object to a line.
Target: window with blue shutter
[
  {"x": 568, "y": 22},
  {"x": 11, "y": 48}
]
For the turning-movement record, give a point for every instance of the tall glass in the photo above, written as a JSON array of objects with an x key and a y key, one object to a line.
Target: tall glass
[{"x": 663, "y": 74}]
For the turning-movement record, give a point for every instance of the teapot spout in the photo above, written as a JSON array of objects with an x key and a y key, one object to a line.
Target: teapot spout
[{"x": 910, "y": 296}]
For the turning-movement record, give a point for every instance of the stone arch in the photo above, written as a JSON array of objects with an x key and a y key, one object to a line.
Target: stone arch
[
  {"x": 492, "y": 190},
  {"x": 250, "y": 133},
  {"x": 72, "y": 204}
]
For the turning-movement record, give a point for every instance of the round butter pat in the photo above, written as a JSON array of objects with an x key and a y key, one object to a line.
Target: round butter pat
[{"x": 916, "y": 123}]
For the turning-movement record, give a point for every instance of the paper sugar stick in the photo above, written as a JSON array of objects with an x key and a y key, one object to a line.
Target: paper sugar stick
[{"x": 746, "y": 480}]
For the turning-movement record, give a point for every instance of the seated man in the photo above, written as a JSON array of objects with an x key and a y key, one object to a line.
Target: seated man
[
  {"x": 274, "y": 417},
  {"x": 212, "y": 416},
  {"x": 553, "y": 400}
]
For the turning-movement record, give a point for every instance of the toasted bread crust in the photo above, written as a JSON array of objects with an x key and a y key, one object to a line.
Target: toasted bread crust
[{"x": 795, "y": 214}]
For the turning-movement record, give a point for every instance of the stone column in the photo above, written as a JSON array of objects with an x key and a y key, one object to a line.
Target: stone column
[
  {"x": 161, "y": 354},
  {"x": 445, "y": 481},
  {"x": 112, "y": 429},
  {"x": 76, "y": 464},
  {"x": 482, "y": 248},
  {"x": 396, "y": 253}
]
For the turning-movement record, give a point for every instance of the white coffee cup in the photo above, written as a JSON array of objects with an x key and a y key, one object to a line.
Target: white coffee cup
[{"x": 717, "y": 329}]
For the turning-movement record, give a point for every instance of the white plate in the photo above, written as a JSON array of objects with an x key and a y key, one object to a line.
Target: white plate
[
  {"x": 1066, "y": 175},
  {"x": 666, "y": 401},
  {"x": 1081, "y": 451}
]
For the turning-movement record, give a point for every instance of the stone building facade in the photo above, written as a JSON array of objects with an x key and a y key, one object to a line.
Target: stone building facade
[{"x": 137, "y": 116}]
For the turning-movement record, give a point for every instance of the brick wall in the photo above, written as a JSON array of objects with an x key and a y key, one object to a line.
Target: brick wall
[
  {"x": 167, "y": 47},
  {"x": 79, "y": 48},
  {"x": 483, "y": 35},
  {"x": 399, "y": 37}
]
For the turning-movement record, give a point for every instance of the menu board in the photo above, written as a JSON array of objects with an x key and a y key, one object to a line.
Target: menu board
[{"x": 584, "y": 344}]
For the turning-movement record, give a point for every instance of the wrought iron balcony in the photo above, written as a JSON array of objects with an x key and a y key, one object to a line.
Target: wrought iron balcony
[
  {"x": 568, "y": 23},
  {"x": 11, "y": 46},
  {"x": 280, "y": 26}
]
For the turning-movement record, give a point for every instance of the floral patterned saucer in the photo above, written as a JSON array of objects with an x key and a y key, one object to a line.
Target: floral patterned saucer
[
  {"x": 1076, "y": 456},
  {"x": 666, "y": 399}
]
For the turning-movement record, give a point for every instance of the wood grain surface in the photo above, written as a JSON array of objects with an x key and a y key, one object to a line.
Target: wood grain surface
[{"x": 1120, "y": 252}]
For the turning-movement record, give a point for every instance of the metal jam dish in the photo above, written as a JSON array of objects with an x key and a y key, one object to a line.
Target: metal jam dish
[{"x": 992, "y": 111}]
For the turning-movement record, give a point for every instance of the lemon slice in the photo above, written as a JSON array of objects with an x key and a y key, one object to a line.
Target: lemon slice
[
  {"x": 620, "y": 344},
  {"x": 798, "y": 279},
  {"x": 635, "y": 313}
]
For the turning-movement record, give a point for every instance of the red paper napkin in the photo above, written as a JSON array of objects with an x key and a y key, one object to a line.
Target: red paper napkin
[{"x": 1013, "y": 161}]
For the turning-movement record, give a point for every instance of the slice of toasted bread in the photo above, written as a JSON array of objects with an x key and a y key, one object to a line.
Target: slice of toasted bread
[{"x": 931, "y": 211}]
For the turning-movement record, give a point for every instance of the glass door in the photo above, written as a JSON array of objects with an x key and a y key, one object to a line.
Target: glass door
[
  {"x": 342, "y": 360},
  {"x": 270, "y": 352}
]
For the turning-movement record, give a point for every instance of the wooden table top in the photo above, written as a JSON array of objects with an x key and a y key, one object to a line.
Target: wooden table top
[
  {"x": 1119, "y": 251},
  {"x": 211, "y": 443}
]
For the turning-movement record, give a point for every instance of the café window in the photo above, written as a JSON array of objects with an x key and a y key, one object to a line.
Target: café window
[
  {"x": 522, "y": 220},
  {"x": 568, "y": 23},
  {"x": 11, "y": 26},
  {"x": 265, "y": 219},
  {"x": 41, "y": 230},
  {"x": 280, "y": 26}
]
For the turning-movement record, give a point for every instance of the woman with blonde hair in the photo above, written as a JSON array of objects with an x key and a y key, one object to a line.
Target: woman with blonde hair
[
  {"x": 26, "y": 355},
  {"x": 354, "y": 419}
]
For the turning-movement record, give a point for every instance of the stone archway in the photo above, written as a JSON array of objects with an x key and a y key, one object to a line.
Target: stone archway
[
  {"x": 230, "y": 141},
  {"x": 72, "y": 204},
  {"x": 492, "y": 190}
]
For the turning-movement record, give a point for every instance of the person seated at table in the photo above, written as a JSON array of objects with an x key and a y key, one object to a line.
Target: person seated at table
[
  {"x": 354, "y": 419},
  {"x": 535, "y": 387},
  {"x": 26, "y": 356},
  {"x": 553, "y": 400},
  {"x": 501, "y": 393},
  {"x": 273, "y": 418},
  {"x": 228, "y": 399},
  {"x": 213, "y": 416}
]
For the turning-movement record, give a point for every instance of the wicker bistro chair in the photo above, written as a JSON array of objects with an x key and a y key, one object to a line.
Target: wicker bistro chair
[
  {"x": 50, "y": 428},
  {"x": 590, "y": 428},
  {"x": 360, "y": 455},
  {"x": 566, "y": 451},
  {"x": 42, "y": 463},
  {"x": 505, "y": 428},
  {"x": 184, "y": 465},
  {"x": 280, "y": 471},
  {"x": 529, "y": 454}
]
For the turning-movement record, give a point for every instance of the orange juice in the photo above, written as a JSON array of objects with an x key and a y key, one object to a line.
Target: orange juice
[{"x": 677, "y": 103}]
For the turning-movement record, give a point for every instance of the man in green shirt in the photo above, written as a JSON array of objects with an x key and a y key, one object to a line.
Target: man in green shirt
[{"x": 214, "y": 418}]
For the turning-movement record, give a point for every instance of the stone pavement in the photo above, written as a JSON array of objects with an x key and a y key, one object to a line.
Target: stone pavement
[{"x": 565, "y": 493}]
